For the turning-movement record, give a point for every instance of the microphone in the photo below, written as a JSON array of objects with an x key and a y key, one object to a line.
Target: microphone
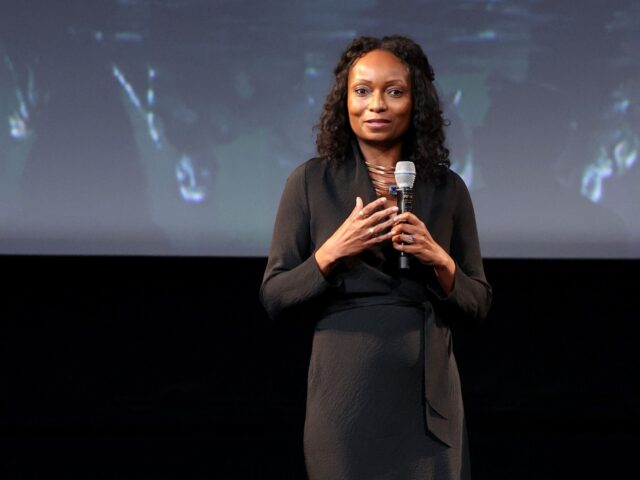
[{"x": 405, "y": 174}]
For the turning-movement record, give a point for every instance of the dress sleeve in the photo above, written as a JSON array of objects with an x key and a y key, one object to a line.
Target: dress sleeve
[
  {"x": 292, "y": 276},
  {"x": 471, "y": 292}
]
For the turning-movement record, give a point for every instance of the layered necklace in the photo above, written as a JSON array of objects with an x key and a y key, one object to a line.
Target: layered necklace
[{"x": 383, "y": 179}]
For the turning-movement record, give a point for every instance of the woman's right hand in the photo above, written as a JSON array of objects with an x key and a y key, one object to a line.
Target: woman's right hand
[{"x": 364, "y": 227}]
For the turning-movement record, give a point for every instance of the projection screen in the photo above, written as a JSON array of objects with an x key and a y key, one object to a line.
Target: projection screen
[{"x": 168, "y": 127}]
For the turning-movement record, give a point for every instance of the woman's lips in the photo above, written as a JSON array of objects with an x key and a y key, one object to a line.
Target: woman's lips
[{"x": 377, "y": 123}]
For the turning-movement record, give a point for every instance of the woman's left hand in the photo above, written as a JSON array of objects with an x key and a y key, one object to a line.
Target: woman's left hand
[{"x": 410, "y": 235}]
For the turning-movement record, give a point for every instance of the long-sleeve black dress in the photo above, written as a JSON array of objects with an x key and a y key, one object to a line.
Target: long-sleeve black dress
[{"x": 383, "y": 398}]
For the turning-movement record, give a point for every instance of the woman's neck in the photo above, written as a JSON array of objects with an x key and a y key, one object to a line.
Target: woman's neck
[{"x": 386, "y": 156}]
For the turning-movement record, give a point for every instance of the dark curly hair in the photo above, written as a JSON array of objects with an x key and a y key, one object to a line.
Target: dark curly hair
[{"x": 424, "y": 142}]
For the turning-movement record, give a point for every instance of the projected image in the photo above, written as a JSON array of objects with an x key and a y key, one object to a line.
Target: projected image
[{"x": 169, "y": 126}]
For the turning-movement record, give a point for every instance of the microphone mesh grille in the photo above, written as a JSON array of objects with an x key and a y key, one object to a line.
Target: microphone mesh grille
[{"x": 405, "y": 174}]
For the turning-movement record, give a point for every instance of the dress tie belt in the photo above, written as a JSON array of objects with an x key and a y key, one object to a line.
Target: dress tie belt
[{"x": 442, "y": 393}]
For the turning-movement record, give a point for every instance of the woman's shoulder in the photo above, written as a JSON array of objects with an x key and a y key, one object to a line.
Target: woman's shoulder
[
  {"x": 449, "y": 179},
  {"x": 315, "y": 167},
  {"x": 456, "y": 179}
]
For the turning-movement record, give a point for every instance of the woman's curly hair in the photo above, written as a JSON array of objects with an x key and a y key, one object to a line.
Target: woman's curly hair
[{"x": 424, "y": 142}]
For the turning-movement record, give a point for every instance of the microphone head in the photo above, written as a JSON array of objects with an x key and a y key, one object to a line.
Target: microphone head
[{"x": 405, "y": 174}]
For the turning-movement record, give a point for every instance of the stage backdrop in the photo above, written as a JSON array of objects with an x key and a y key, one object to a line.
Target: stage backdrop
[{"x": 168, "y": 127}]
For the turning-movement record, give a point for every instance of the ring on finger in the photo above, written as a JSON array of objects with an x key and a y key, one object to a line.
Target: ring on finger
[
  {"x": 409, "y": 239},
  {"x": 371, "y": 231}
]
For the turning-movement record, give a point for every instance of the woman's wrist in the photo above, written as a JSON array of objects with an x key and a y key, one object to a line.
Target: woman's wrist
[
  {"x": 325, "y": 260},
  {"x": 444, "y": 264},
  {"x": 445, "y": 270}
]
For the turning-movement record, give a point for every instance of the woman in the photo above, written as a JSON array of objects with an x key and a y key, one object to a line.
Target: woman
[{"x": 383, "y": 399}]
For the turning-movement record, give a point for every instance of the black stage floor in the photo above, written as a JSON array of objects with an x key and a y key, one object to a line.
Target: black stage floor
[{"x": 274, "y": 452}]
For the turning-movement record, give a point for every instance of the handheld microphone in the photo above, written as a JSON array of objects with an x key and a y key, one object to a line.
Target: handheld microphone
[{"x": 405, "y": 174}]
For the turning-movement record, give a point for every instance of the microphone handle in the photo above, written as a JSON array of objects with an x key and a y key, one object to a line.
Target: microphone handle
[{"x": 405, "y": 204}]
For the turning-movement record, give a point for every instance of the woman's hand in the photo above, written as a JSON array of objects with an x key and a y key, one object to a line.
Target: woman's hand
[
  {"x": 364, "y": 227},
  {"x": 410, "y": 235}
]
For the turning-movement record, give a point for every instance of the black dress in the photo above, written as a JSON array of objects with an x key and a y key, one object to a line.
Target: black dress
[{"x": 383, "y": 399}]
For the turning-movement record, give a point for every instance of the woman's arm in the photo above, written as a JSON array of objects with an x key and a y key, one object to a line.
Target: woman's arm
[
  {"x": 471, "y": 292},
  {"x": 292, "y": 275},
  {"x": 459, "y": 273}
]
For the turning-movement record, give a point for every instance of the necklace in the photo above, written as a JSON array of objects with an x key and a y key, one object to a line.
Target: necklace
[{"x": 385, "y": 186}]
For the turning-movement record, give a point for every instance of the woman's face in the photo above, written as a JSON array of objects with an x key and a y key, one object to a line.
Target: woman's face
[{"x": 379, "y": 98}]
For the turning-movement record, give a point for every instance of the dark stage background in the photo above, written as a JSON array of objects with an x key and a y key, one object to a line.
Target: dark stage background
[{"x": 167, "y": 368}]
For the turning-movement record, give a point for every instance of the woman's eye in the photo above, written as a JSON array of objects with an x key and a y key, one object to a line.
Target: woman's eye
[
  {"x": 395, "y": 92},
  {"x": 360, "y": 91}
]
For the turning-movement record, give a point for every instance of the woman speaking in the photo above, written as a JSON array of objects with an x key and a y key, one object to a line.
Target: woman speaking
[{"x": 383, "y": 398}]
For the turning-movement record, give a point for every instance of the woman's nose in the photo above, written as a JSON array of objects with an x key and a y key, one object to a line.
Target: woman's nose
[{"x": 377, "y": 103}]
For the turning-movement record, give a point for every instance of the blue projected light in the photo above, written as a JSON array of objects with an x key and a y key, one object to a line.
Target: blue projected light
[{"x": 169, "y": 127}]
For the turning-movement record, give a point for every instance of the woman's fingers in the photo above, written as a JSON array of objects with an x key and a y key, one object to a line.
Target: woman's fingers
[
  {"x": 408, "y": 217},
  {"x": 381, "y": 215},
  {"x": 378, "y": 237},
  {"x": 406, "y": 238},
  {"x": 378, "y": 224},
  {"x": 358, "y": 208},
  {"x": 370, "y": 208},
  {"x": 382, "y": 227},
  {"x": 405, "y": 228}
]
